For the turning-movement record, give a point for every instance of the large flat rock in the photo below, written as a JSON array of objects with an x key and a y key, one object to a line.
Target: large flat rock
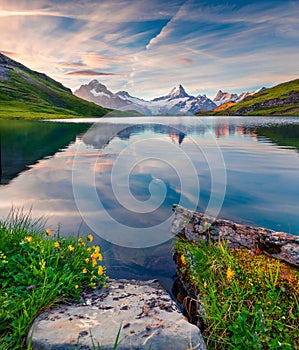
[{"x": 148, "y": 317}]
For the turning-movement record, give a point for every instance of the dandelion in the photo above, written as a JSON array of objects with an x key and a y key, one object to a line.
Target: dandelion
[
  {"x": 90, "y": 237},
  {"x": 28, "y": 238},
  {"x": 49, "y": 232},
  {"x": 87, "y": 260},
  {"x": 100, "y": 270},
  {"x": 57, "y": 245},
  {"x": 84, "y": 270},
  {"x": 71, "y": 248},
  {"x": 230, "y": 274}
]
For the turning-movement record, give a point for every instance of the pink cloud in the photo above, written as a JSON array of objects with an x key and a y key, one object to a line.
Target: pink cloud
[
  {"x": 184, "y": 60},
  {"x": 88, "y": 73}
]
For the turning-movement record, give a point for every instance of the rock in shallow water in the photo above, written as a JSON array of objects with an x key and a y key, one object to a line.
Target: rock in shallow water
[{"x": 148, "y": 317}]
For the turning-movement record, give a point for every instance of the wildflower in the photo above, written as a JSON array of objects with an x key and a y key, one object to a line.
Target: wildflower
[
  {"x": 94, "y": 262},
  {"x": 183, "y": 260},
  {"x": 30, "y": 287},
  {"x": 230, "y": 274},
  {"x": 28, "y": 238},
  {"x": 49, "y": 232},
  {"x": 71, "y": 248},
  {"x": 84, "y": 270},
  {"x": 90, "y": 238},
  {"x": 42, "y": 264},
  {"x": 87, "y": 260},
  {"x": 205, "y": 285},
  {"x": 81, "y": 242},
  {"x": 57, "y": 245},
  {"x": 100, "y": 270},
  {"x": 88, "y": 249},
  {"x": 76, "y": 286}
]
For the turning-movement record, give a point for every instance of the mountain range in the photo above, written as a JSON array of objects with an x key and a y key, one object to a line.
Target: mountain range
[
  {"x": 177, "y": 101},
  {"x": 25, "y": 93},
  {"x": 29, "y": 94}
]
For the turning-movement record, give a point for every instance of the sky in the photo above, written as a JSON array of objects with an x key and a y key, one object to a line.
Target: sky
[{"x": 147, "y": 47}]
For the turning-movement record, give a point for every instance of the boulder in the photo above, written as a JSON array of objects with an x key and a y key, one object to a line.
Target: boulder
[
  {"x": 199, "y": 226},
  {"x": 142, "y": 311}
]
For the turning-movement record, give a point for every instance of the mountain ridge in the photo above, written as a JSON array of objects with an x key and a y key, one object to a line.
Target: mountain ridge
[
  {"x": 177, "y": 101},
  {"x": 29, "y": 94}
]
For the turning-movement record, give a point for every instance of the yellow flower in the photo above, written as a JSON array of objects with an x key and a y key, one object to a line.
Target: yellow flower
[
  {"x": 100, "y": 270},
  {"x": 81, "y": 242},
  {"x": 88, "y": 249},
  {"x": 84, "y": 270},
  {"x": 97, "y": 249},
  {"x": 94, "y": 262},
  {"x": 57, "y": 245},
  {"x": 28, "y": 238},
  {"x": 205, "y": 285},
  {"x": 183, "y": 260},
  {"x": 76, "y": 286},
  {"x": 71, "y": 248},
  {"x": 90, "y": 238},
  {"x": 42, "y": 264},
  {"x": 49, "y": 232},
  {"x": 87, "y": 260},
  {"x": 230, "y": 274}
]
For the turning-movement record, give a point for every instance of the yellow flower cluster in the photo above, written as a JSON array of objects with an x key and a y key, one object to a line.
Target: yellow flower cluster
[
  {"x": 81, "y": 243},
  {"x": 3, "y": 258},
  {"x": 96, "y": 255},
  {"x": 57, "y": 245},
  {"x": 28, "y": 238},
  {"x": 71, "y": 248}
]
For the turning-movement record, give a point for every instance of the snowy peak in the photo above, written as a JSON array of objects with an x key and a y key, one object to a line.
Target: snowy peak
[
  {"x": 176, "y": 102},
  {"x": 178, "y": 92},
  {"x": 225, "y": 97}
]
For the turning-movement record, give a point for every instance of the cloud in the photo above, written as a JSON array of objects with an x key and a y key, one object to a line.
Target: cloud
[
  {"x": 184, "y": 60},
  {"x": 89, "y": 73}
]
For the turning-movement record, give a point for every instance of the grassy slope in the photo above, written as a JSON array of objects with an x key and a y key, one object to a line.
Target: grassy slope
[
  {"x": 30, "y": 94},
  {"x": 259, "y": 104}
]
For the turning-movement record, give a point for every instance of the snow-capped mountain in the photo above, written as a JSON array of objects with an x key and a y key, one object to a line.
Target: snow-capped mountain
[
  {"x": 224, "y": 97},
  {"x": 176, "y": 102}
]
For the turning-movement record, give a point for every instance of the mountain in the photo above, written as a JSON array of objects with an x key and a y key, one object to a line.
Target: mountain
[
  {"x": 29, "y": 94},
  {"x": 282, "y": 99},
  {"x": 176, "y": 102},
  {"x": 225, "y": 97}
]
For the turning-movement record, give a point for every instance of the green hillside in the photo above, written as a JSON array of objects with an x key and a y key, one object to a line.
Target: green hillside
[
  {"x": 28, "y": 94},
  {"x": 282, "y": 99}
]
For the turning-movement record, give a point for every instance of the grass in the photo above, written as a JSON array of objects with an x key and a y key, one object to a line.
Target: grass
[
  {"x": 27, "y": 94},
  {"x": 250, "y": 301},
  {"x": 38, "y": 269}
]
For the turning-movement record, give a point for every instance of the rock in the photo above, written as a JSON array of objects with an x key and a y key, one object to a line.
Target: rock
[
  {"x": 148, "y": 317},
  {"x": 198, "y": 226}
]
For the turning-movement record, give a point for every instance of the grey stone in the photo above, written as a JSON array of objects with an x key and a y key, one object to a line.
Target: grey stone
[
  {"x": 198, "y": 226},
  {"x": 148, "y": 317}
]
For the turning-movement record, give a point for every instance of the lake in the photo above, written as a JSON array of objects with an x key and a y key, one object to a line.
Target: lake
[{"x": 118, "y": 178}]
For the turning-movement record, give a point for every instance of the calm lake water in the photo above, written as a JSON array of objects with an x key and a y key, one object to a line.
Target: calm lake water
[{"x": 119, "y": 178}]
